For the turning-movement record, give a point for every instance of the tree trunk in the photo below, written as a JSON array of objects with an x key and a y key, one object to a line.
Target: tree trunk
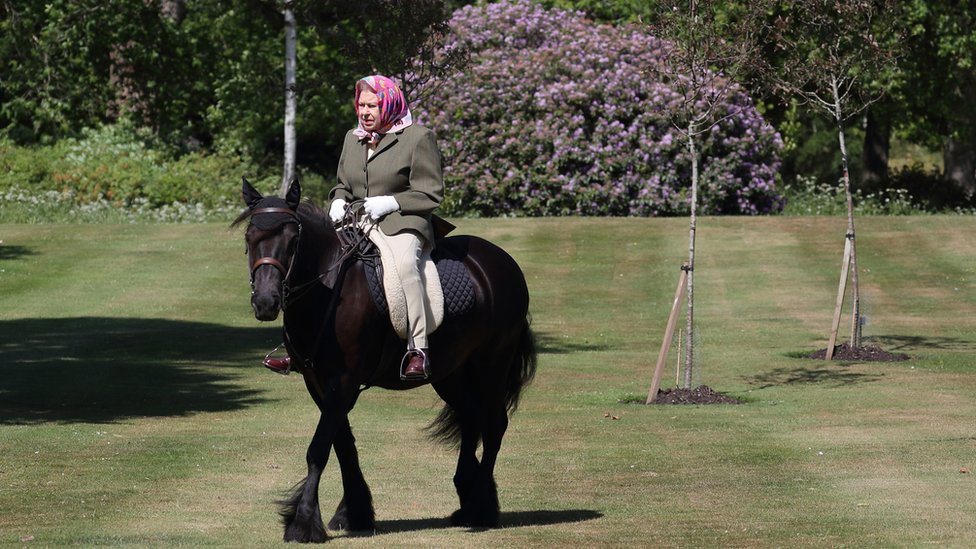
[
  {"x": 855, "y": 293},
  {"x": 959, "y": 152},
  {"x": 690, "y": 328},
  {"x": 877, "y": 143},
  {"x": 846, "y": 178},
  {"x": 855, "y": 289},
  {"x": 291, "y": 39},
  {"x": 960, "y": 164}
]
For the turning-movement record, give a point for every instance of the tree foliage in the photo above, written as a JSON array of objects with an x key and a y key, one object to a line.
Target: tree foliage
[
  {"x": 832, "y": 54},
  {"x": 208, "y": 76},
  {"x": 609, "y": 11},
  {"x": 60, "y": 58},
  {"x": 558, "y": 115},
  {"x": 934, "y": 98},
  {"x": 938, "y": 72},
  {"x": 211, "y": 78}
]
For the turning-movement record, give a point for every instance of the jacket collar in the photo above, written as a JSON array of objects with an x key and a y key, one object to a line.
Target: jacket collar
[{"x": 388, "y": 141}]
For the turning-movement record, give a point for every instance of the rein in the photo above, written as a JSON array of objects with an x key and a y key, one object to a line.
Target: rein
[{"x": 353, "y": 242}]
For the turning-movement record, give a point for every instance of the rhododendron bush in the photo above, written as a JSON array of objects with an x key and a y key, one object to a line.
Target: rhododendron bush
[{"x": 557, "y": 115}]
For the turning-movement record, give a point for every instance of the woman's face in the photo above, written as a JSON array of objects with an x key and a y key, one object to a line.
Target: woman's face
[{"x": 369, "y": 109}]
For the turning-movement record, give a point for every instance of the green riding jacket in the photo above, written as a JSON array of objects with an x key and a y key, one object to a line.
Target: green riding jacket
[{"x": 406, "y": 165}]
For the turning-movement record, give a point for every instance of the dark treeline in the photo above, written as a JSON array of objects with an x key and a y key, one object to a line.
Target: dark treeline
[
  {"x": 202, "y": 75},
  {"x": 208, "y": 75}
]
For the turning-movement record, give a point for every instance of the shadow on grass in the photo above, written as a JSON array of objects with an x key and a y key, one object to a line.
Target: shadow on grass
[
  {"x": 507, "y": 520},
  {"x": 558, "y": 345},
  {"x": 8, "y": 252},
  {"x": 904, "y": 343},
  {"x": 798, "y": 376},
  {"x": 103, "y": 370}
]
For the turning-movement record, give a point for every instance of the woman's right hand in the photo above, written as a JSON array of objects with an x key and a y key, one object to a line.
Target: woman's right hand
[{"x": 337, "y": 211}]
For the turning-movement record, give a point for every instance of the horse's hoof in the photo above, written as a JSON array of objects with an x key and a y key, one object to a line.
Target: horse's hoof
[
  {"x": 295, "y": 533},
  {"x": 343, "y": 524},
  {"x": 458, "y": 518},
  {"x": 305, "y": 538},
  {"x": 463, "y": 519},
  {"x": 347, "y": 521}
]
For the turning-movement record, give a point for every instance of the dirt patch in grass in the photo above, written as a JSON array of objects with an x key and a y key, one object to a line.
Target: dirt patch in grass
[
  {"x": 702, "y": 394},
  {"x": 868, "y": 353}
]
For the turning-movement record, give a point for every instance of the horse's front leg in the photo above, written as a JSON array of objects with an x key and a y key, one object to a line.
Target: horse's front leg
[
  {"x": 355, "y": 512},
  {"x": 300, "y": 512}
]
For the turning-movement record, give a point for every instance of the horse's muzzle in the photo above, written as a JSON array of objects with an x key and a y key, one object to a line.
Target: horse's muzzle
[{"x": 266, "y": 307}]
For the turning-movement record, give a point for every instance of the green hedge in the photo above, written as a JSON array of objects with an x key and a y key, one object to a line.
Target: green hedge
[{"x": 118, "y": 166}]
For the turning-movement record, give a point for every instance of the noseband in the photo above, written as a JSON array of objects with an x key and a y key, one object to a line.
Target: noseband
[{"x": 260, "y": 262}]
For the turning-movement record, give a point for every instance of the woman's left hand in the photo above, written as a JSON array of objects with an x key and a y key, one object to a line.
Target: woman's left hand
[{"x": 378, "y": 206}]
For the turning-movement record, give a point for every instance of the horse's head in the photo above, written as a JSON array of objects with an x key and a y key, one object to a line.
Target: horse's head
[{"x": 272, "y": 238}]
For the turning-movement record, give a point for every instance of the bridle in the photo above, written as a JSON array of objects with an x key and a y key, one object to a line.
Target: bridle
[
  {"x": 262, "y": 261},
  {"x": 351, "y": 240}
]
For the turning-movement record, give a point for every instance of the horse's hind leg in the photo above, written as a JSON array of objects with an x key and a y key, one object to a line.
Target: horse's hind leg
[
  {"x": 458, "y": 424},
  {"x": 482, "y": 418},
  {"x": 466, "y": 475},
  {"x": 492, "y": 390},
  {"x": 485, "y": 510},
  {"x": 355, "y": 512},
  {"x": 474, "y": 479}
]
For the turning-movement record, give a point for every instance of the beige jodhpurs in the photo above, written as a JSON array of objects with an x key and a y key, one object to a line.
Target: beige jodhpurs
[{"x": 406, "y": 250}]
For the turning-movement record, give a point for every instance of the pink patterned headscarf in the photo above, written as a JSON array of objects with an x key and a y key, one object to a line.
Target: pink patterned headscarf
[{"x": 394, "y": 112}]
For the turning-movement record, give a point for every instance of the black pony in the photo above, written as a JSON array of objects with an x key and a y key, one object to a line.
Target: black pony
[{"x": 342, "y": 344}]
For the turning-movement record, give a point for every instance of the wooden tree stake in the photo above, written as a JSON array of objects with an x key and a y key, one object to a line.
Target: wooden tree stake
[
  {"x": 662, "y": 356},
  {"x": 841, "y": 289}
]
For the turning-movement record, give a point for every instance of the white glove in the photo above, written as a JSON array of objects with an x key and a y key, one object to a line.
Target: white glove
[
  {"x": 378, "y": 206},
  {"x": 337, "y": 210}
]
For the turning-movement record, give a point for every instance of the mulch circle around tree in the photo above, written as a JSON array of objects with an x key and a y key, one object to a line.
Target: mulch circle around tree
[
  {"x": 867, "y": 353},
  {"x": 702, "y": 394}
]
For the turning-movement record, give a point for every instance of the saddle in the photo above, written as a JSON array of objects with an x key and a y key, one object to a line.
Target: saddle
[{"x": 450, "y": 290}]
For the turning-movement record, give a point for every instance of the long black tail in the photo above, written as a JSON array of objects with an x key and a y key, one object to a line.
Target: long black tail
[
  {"x": 523, "y": 368},
  {"x": 448, "y": 425}
]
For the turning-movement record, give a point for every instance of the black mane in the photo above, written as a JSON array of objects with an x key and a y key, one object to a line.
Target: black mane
[{"x": 308, "y": 209}]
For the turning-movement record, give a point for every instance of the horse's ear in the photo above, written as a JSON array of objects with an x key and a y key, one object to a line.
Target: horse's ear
[
  {"x": 294, "y": 195},
  {"x": 249, "y": 194}
]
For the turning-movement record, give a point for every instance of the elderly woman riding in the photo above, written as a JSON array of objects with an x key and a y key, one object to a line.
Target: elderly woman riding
[{"x": 394, "y": 166}]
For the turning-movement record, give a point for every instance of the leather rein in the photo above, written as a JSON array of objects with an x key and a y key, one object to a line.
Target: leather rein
[{"x": 351, "y": 240}]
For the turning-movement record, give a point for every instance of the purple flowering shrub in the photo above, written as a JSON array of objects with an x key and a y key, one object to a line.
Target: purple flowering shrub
[{"x": 556, "y": 115}]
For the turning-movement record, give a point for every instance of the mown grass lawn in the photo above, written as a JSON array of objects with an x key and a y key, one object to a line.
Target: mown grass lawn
[{"x": 134, "y": 411}]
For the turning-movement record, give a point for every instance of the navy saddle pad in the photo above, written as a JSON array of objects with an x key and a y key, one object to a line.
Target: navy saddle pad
[{"x": 456, "y": 282}]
